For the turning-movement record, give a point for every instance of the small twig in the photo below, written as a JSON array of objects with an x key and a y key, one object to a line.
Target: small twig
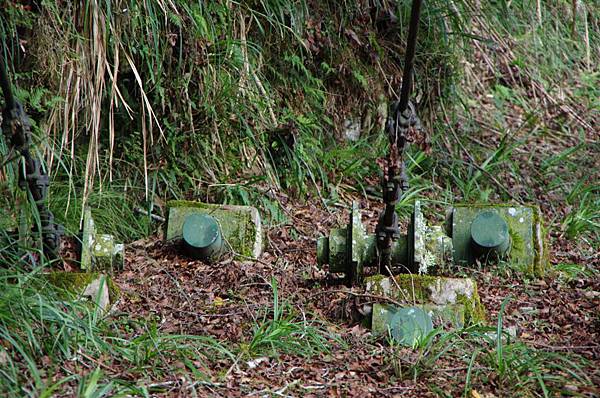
[
  {"x": 366, "y": 295},
  {"x": 204, "y": 383},
  {"x": 160, "y": 385},
  {"x": 233, "y": 365},
  {"x": 396, "y": 283},
  {"x": 155, "y": 217}
]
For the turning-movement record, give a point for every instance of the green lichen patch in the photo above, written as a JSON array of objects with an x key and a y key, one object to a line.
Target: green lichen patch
[
  {"x": 103, "y": 252},
  {"x": 240, "y": 225}
]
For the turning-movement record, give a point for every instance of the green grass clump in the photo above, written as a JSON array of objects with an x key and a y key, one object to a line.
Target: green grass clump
[
  {"x": 54, "y": 342},
  {"x": 281, "y": 331},
  {"x": 492, "y": 358}
]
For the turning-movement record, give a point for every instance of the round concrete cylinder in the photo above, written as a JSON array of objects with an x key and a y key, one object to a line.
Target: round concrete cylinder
[
  {"x": 202, "y": 237},
  {"x": 489, "y": 233}
]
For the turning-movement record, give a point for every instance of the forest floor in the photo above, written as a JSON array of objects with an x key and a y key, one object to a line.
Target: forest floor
[
  {"x": 519, "y": 124},
  {"x": 231, "y": 301},
  {"x": 297, "y": 332}
]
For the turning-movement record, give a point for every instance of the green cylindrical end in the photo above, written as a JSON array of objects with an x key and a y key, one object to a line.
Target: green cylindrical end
[
  {"x": 202, "y": 237},
  {"x": 323, "y": 250},
  {"x": 489, "y": 232}
]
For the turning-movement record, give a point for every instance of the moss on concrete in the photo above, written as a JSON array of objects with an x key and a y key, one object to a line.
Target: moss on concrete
[
  {"x": 427, "y": 289},
  {"x": 541, "y": 244},
  {"x": 76, "y": 282},
  {"x": 528, "y": 244},
  {"x": 474, "y": 310},
  {"x": 240, "y": 225}
]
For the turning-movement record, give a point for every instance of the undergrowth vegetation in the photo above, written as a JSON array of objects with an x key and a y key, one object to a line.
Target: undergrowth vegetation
[
  {"x": 490, "y": 355},
  {"x": 134, "y": 103}
]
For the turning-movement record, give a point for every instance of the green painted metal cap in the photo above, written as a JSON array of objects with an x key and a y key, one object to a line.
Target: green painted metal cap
[
  {"x": 489, "y": 232},
  {"x": 410, "y": 325},
  {"x": 202, "y": 237}
]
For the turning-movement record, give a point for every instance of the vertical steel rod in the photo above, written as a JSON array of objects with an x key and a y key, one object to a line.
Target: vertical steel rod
[{"x": 409, "y": 58}]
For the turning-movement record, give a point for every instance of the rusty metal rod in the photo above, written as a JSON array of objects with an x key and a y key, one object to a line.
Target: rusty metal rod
[{"x": 409, "y": 57}]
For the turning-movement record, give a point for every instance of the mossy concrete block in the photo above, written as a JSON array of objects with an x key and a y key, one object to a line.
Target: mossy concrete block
[
  {"x": 527, "y": 242},
  {"x": 362, "y": 246},
  {"x": 450, "y": 316},
  {"x": 99, "y": 251},
  {"x": 430, "y": 290},
  {"x": 337, "y": 250},
  {"x": 348, "y": 250},
  {"x": 431, "y": 247},
  {"x": 240, "y": 225},
  {"x": 107, "y": 255},
  {"x": 102, "y": 252},
  {"x": 87, "y": 239},
  {"x": 94, "y": 286}
]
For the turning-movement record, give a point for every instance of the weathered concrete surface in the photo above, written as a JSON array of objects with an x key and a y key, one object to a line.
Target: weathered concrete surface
[
  {"x": 102, "y": 252},
  {"x": 97, "y": 291},
  {"x": 240, "y": 225},
  {"x": 431, "y": 290},
  {"x": 431, "y": 248},
  {"x": 361, "y": 247},
  {"x": 87, "y": 239},
  {"x": 424, "y": 249},
  {"x": 527, "y": 247},
  {"x": 99, "y": 252},
  {"x": 96, "y": 287}
]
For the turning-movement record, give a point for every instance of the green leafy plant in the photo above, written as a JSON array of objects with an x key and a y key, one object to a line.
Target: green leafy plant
[{"x": 281, "y": 331}]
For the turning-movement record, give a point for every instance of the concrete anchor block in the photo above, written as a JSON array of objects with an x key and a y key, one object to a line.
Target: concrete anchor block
[
  {"x": 439, "y": 294},
  {"x": 102, "y": 252},
  {"x": 349, "y": 250},
  {"x": 99, "y": 251},
  {"x": 240, "y": 226},
  {"x": 96, "y": 287},
  {"x": 527, "y": 246},
  {"x": 431, "y": 247}
]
